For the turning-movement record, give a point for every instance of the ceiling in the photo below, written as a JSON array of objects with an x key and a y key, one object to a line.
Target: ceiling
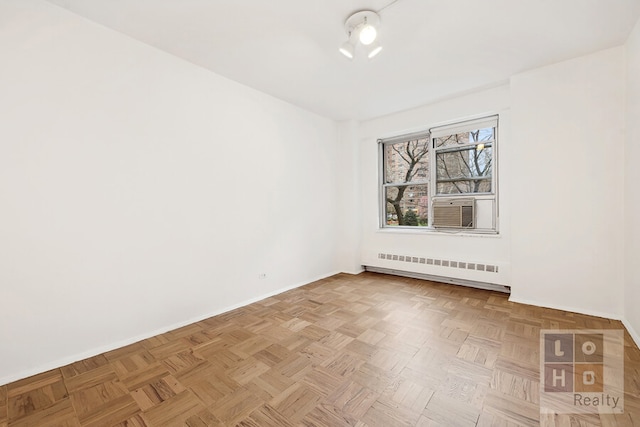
[{"x": 433, "y": 49}]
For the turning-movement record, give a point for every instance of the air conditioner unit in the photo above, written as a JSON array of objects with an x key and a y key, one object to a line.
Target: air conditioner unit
[{"x": 454, "y": 213}]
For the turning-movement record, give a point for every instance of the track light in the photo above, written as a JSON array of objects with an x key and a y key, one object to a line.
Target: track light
[
  {"x": 362, "y": 27},
  {"x": 373, "y": 49},
  {"x": 348, "y": 48}
]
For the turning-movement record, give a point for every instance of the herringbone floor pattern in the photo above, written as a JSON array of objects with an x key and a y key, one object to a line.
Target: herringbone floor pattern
[{"x": 366, "y": 350}]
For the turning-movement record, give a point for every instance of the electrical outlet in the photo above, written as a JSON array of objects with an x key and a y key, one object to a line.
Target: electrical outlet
[{"x": 262, "y": 276}]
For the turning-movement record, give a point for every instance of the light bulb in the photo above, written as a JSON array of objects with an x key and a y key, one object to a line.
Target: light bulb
[{"x": 368, "y": 34}]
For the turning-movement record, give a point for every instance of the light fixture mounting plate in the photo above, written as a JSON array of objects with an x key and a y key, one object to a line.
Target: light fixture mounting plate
[{"x": 358, "y": 18}]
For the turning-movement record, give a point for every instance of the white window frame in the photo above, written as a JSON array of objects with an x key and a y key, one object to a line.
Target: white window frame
[{"x": 432, "y": 134}]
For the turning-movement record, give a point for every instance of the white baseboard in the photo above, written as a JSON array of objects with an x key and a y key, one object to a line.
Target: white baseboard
[
  {"x": 354, "y": 272},
  {"x": 634, "y": 334},
  {"x": 119, "y": 344},
  {"x": 571, "y": 309},
  {"x": 440, "y": 279}
]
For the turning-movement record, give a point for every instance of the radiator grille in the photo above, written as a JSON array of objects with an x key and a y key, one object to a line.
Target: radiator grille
[{"x": 465, "y": 265}]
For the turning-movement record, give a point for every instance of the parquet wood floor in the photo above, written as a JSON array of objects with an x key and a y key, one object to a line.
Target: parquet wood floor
[{"x": 367, "y": 350}]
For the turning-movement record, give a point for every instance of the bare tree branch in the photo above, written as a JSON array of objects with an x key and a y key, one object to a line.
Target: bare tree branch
[
  {"x": 393, "y": 147},
  {"x": 412, "y": 152}
]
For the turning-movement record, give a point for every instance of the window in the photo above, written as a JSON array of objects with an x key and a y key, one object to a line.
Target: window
[
  {"x": 406, "y": 181},
  {"x": 441, "y": 178}
]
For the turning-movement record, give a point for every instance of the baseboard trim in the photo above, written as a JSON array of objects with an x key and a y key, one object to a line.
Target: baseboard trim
[
  {"x": 440, "y": 279},
  {"x": 113, "y": 346},
  {"x": 634, "y": 334},
  {"x": 570, "y": 309},
  {"x": 355, "y": 272}
]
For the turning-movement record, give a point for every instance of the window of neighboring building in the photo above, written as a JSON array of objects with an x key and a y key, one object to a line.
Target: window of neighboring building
[{"x": 441, "y": 178}]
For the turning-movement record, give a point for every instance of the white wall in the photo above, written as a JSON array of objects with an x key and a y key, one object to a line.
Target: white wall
[
  {"x": 561, "y": 198},
  {"x": 568, "y": 124},
  {"x": 348, "y": 204},
  {"x": 632, "y": 191},
  {"x": 492, "y": 249},
  {"x": 139, "y": 192}
]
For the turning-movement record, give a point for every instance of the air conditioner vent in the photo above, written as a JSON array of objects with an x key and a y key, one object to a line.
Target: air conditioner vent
[{"x": 453, "y": 213}]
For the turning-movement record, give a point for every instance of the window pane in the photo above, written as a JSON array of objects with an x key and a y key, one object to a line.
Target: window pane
[
  {"x": 407, "y": 161},
  {"x": 462, "y": 187},
  {"x": 407, "y": 205},
  {"x": 456, "y": 170},
  {"x": 477, "y": 135}
]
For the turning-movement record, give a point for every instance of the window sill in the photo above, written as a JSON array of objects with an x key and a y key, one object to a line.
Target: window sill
[{"x": 434, "y": 232}]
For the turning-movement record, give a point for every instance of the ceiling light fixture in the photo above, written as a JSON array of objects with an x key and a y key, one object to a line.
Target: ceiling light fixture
[{"x": 362, "y": 27}]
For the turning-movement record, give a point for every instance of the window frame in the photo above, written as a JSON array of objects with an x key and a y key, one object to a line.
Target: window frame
[
  {"x": 432, "y": 182},
  {"x": 382, "y": 173}
]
